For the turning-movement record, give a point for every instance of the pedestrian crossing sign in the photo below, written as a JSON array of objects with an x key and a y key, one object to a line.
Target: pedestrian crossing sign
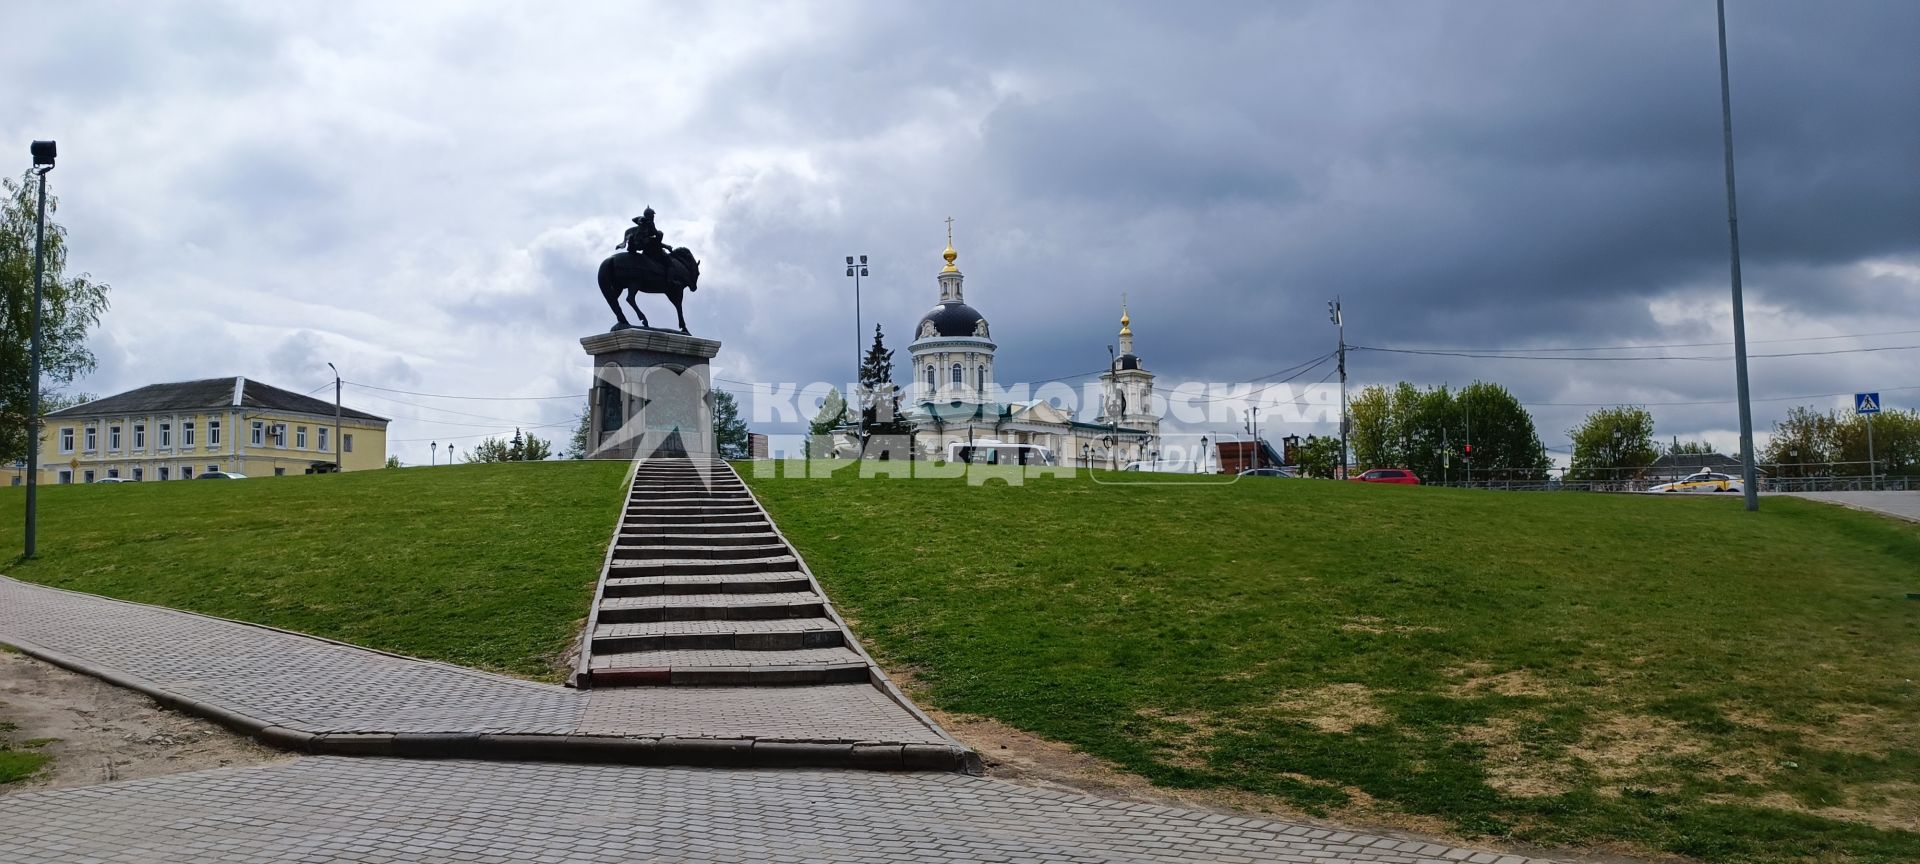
[{"x": 1866, "y": 403}]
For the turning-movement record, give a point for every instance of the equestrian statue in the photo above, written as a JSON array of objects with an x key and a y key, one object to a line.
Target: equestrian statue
[{"x": 647, "y": 265}]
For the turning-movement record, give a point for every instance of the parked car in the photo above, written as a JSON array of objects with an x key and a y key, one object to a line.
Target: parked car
[
  {"x": 1705, "y": 481},
  {"x": 1268, "y": 472},
  {"x": 221, "y": 475},
  {"x": 113, "y": 480},
  {"x": 1164, "y": 466},
  {"x": 1387, "y": 475}
]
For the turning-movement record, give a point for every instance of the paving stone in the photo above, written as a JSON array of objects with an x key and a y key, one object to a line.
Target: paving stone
[{"x": 332, "y": 809}]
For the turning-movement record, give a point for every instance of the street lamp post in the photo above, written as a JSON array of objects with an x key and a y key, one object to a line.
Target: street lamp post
[
  {"x": 859, "y": 354},
  {"x": 433, "y": 453},
  {"x": 449, "y": 452},
  {"x": 1748, "y": 481},
  {"x": 43, "y": 153}
]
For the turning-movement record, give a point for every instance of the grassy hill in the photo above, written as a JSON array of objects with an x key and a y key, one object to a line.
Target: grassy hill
[
  {"x": 1649, "y": 673},
  {"x": 483, "y": 565},
  {"x": 1676, "y": 675}
]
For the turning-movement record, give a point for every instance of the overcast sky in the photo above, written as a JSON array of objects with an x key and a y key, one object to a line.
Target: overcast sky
[{"x": 419, "y": 192}]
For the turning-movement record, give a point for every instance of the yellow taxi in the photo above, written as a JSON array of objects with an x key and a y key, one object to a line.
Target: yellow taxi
[{"x": 1705, "y": 481}]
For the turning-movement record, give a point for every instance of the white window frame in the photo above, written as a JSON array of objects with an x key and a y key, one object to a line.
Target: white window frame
[
  {"x": 165, "y": 432},
  {"x": 346, "y": 443},
  {"x": 66, "y": 439},
  {"x": 958, "y": 375},
  {"x": 140, "y": 436},
  {"x": 93, "y": 438},
  {"x": 259, "y": 438},
  {"x": 186, "y": 433},
  {"x": 280, "y": 435},
  {"x": 299, "y": 437},
  {"x": 113, "y": 438},
  {"x": 324, "y": 441},
  {"x": 213, "y": 433}
]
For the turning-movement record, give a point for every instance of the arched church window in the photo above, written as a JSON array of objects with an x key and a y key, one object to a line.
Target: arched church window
[
  {"x": 983, "y": 376},
  {"x": 929, "y": 378},
  {"x": 957, "y": 379}
]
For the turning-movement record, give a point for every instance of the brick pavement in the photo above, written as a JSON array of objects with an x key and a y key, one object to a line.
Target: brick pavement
[
  {"x": 334, "y": 809},
  {"x": 312, "y": 685}
]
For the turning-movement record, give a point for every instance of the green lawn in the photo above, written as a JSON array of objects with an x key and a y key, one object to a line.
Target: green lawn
[
  {"x": 21, "y": 760},
  {"x": 483, "y": 565},
  {"x": 1671, "y": 675}
]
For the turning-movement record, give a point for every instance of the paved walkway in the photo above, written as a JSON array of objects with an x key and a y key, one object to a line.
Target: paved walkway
[
  {"x": 328, "y": 809},
  {"x": 1900, "y": 505},
  {"x": 357, "y": 700}
]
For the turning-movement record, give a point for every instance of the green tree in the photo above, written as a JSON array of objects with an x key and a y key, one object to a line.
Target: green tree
[
  {"x": 70, "y": 307},
  {"x": 1896, "y": 442},
  {"x": 1318, "y": 456},
  {"x": 729, "y": 431},
  {"x": 578, "y": 448},
  {"x": 1689, "y": 448},
  {"x": 535, "y": 449},
  {"x": 879, "y": 396},
  {"x": 1425, "y": 430},
  {"x": 490, "y": 450},
  {"x": 1802, "y": 444},
  {"x": 393, "y": 461},
  {"x": 1611, "y": 442},
  {"x": 833, "y": 414}
]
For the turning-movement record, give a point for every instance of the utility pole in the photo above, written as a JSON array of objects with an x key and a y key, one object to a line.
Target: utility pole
[
  {"x": 1340, "y": 322},
  {"x": 43, "y": 153},
  {"x": 339, "y": 448},
  {"x": 1748, "y": 481}
]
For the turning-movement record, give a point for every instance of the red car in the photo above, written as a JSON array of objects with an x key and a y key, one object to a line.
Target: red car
[{"x": 1388, "y": 475}]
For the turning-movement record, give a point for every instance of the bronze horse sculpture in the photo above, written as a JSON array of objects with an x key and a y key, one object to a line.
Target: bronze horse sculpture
[{"x": 637, "y": 273}]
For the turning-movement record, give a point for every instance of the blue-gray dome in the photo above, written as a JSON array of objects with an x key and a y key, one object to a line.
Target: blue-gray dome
[{"x": 952, "y": 319}]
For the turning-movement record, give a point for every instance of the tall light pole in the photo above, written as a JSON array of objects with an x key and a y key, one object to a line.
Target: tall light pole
[
  {"x": 859, "y": 354},
  {"x": 43, "y": 153},
  {"x": 433, "y": 453},
  {"x": 1340, "y": 323},
  {"x": 339, "y": 459},
  {"x": 1748, "y": 481}
]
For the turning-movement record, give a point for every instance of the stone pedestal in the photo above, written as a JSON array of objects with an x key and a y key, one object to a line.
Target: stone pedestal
[{"x": 652, "y": 395}]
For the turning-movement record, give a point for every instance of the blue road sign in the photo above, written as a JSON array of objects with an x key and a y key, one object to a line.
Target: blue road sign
[{"x": 1866, "y": 403}]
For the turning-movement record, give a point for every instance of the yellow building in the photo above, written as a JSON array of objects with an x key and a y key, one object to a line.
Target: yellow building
[{"x": 185, "y": 429}]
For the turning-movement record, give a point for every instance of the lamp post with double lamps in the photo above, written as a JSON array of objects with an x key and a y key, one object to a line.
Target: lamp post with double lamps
[
  {"x": 859, "y": 354},
  {"x": 43, "y": 153}
]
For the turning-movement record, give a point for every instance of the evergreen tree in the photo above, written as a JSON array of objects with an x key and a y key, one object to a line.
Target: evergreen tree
[
  {"x": 578, "y": 448},
  {"x": 69, "y": 308},
  {"x": 729, "y": 431},
  {"x": 879, "y": 396}
]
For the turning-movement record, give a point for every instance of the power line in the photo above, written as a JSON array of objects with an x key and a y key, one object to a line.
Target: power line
[
  {"x": 1592, "y": 358},
  {"x": 1703, "y": 401},
  {"x": 1674, "y": 344},
  {"x": 475, "y": 398},
  {"x": 451, "y": 438}
]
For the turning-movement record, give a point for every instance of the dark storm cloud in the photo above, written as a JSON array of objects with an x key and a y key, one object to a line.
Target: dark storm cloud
[{"x": 1489, "y": 174}]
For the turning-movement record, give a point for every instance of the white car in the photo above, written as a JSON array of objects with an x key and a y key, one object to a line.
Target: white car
[{"x": 1705, "y": 481}]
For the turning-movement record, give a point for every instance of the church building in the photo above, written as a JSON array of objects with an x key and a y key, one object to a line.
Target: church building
[{"x": 952, "y": 399}]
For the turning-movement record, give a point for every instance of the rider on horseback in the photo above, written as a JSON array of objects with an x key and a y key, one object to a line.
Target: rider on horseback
[{"x": 645, "y": 239}]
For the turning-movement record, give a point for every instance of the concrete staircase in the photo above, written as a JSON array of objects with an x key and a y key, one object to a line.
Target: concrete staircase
[{"x": 700, "y": 589}]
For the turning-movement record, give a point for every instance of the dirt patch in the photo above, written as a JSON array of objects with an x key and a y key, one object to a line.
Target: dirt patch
[
  {"x": 1620, "y": 747},
  {"x": 1333, "y": 708},
  {"x": 1371, "y": 624},
  {"x": 1511, "y": 765},
  {"x": 1480, "y": 681},
  {"x": 102, "y": 733},
  {"x": 1893, "y": 806}
]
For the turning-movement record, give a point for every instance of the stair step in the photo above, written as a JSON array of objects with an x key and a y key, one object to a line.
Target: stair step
[
  {"x": 777, "y": 634},
  {"x": 737, "y": 527},
  {"x": 712, "y": 607},
  {"x": 698, "y": 552},
  {"x": 632, "y": 537},
  {"x": 719, "y": 583},
  {"x": 692, "y": 567},
  {"x": 676, "y": 519},
  {"x": 729, "y": 668}
]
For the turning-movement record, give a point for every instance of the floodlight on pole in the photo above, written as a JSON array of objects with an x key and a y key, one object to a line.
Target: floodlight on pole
[
  {"x": 1749, "y": 482},
  {"x": 859, "y": 354},
  {"x": 43, "y": 155}
]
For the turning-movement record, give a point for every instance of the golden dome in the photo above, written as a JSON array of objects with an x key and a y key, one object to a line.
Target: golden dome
[
  {"x": 1126, "y": 323},
  {"x": 950, "y": 255}
]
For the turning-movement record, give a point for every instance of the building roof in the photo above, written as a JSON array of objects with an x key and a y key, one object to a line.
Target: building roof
[
  {"x": 208, "y": 393},
  {"x": 954, "y": 319}
]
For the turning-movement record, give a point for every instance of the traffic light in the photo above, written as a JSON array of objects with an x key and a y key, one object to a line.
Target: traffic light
[{"x": 1468, "y": 452}]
